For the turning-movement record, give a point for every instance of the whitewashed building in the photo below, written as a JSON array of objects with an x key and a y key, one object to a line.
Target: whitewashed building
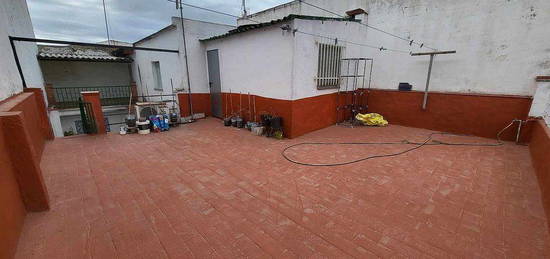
[
  {"x": 501, "y": 48},
  {"x": 158, "y": 73},
  {"x": 70, "y": 70}
]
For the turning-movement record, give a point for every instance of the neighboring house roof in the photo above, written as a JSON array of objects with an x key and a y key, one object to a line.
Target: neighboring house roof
[
  {"x": 80, "y": 53},
  {"x": 250, "y": 27}
]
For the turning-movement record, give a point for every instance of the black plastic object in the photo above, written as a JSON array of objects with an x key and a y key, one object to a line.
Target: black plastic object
[
  {"x": 227, "y": 122},
  {"x": 266, "y": 120},
  {"x": 240, "y": 123},
  {"x": 405, "y": 87},
  {"x": 131, "y": 121},
  {"x": 276, "y": 123}
]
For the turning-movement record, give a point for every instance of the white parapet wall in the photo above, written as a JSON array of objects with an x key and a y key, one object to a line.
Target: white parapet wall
[
  {"x": 337, "y": 8},
  {"x": 541, "y": 102}
]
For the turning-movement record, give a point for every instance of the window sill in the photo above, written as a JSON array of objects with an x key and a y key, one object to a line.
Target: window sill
[{"x": 328, "y": 87}]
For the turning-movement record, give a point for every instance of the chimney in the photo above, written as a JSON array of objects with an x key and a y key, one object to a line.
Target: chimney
[{"x": 357, "y": 14}]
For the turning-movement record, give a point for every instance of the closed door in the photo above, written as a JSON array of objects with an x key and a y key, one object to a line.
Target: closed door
[{"x": 214, "y": 81}]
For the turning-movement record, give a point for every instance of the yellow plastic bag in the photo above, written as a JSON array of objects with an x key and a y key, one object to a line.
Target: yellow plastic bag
[{"x": 371, "y": 119}]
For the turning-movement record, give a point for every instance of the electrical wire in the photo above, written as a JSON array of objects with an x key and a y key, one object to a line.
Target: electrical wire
[
  {"x": 381, "y": 48},
  {"x": 417, "y": 145},
  {"x": 353, "y": 43},
  {"x": 370, "y": 26},
  {"x": 213, "y": 11}
]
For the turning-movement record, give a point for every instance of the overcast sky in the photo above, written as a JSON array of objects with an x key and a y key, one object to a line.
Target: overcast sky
[{"x": 129, "y": 20}]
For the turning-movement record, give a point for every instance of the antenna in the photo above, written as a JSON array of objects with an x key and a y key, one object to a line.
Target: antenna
[
  {"x": 244, "y": 9},
  {"x": 106, "y": 24}
]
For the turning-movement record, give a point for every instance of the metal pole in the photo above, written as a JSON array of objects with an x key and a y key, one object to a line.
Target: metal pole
[
  {"x": 173, "y": 96},
  {"x": 519, "y": 131},
  {"x": 106, "y": 24},
  {"x": 425, "y": 102},
  {"x": 14, "y": 50},
  {"x": 186, "y": 63},
  {"x": 37, "y": 40},
  {"x": 249, "y": 110},
  {"x": 231, "y": 102}
]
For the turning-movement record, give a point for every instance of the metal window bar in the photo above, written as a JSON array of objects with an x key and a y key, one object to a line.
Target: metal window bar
[{"x": 329, "y": 66}]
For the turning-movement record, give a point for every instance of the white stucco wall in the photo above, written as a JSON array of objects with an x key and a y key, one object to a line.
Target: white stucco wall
[
  {"x": 541, "y": 102},
  {"x": 295, "y": 7},
  {"x": 307, "y": 52},
  {"x": 172, "y": 65},
  {"x": 501, "y": 45},
  {"x": 15, "y": 21},
  {"x": 64, "y": 120},
  {"x": 85, "y": 74},
  {"x": 258, "y": 61},
  {"x": 276, "y": 64}
]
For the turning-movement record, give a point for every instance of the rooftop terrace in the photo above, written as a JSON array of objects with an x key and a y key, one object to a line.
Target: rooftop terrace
[{"x": 203, "y": 190}]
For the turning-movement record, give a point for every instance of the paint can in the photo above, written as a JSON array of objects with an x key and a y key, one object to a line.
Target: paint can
[
  {"x": 130, "y": 120},
  {"x": 276, "y": 122},
  {"x": 143, "y": 127},
  {"x": 240, "y": 123},
  {"x": 258, "y": 130},
  {"x": 234, "y": 122},
  {"x": 227, "y": 122}
]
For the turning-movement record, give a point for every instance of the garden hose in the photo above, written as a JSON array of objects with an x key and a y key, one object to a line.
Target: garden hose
[{"x": 428, "y": 142}]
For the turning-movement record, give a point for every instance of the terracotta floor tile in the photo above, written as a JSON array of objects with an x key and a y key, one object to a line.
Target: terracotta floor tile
[{"x": 207, "y": 191}]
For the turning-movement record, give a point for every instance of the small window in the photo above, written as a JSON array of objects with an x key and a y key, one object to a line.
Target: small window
[
  {"x": 328, "y": 73},
  {"x": 156, "y": 75}
]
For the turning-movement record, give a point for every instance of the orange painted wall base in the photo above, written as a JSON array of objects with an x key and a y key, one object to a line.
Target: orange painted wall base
[
  {"x": 24, "y": 130},
  {"x": 539, "y": 147},
  {"x": 474, "y": 114},
  {"x": 200, "y": 101}
]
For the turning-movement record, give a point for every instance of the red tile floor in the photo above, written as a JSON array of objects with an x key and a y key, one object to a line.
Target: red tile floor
[{"x": 204, "y": 191}]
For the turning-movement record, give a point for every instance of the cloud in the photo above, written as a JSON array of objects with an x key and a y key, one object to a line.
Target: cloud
[{"x": 129, "y": 20}]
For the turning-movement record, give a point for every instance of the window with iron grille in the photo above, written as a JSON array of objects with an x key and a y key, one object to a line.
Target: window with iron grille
[{"x": 328, "y": 69}]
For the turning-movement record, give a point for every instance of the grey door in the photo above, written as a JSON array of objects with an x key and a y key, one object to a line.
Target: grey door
[{"x": 214, "y": 81}]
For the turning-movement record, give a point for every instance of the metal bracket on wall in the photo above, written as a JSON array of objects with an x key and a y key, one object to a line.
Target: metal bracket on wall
[{"x": 432, "y": 55}]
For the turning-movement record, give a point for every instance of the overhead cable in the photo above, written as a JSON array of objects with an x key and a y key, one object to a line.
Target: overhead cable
[
  {"x": 381, "y": 48},
  {"x": 372, "y": 27}
]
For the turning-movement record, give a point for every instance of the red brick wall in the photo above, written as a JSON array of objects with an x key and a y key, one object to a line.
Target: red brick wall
[
  {"x": 540, "y": 154},
  {"x": 24, "y": 129}
]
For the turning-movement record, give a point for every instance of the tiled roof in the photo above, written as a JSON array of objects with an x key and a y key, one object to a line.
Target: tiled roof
[
  {"x": 77, "y": 53},
  {"x": 250, "y": 27}
]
